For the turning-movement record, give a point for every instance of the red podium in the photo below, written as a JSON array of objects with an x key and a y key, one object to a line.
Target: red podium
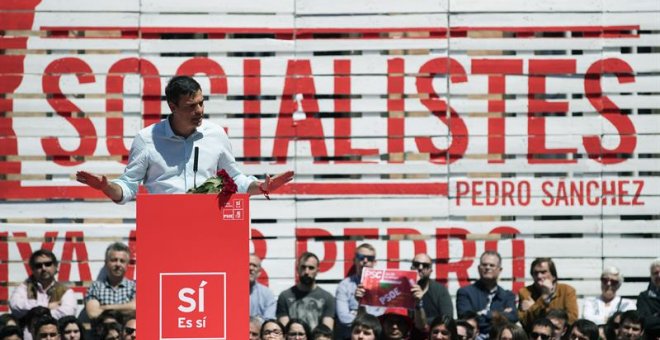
[{"x": 193, "y": 261}]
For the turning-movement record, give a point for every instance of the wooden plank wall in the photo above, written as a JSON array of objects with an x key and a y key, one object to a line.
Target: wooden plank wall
[{"x": 447, "y": 126}]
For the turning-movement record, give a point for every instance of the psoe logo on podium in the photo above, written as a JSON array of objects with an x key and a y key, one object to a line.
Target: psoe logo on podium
[{"x": 193, "y": 306}]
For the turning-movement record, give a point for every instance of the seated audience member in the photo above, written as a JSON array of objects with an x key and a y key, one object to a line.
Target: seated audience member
[
  {"x": 366, "y": 327},
  {"x": 306, "y": 300},
  {"x": 8, "y": 320},
  {"x": 536, "y": 300},
  {"x": 541, "y": 329},
  {"x": 107, "y": 317},
  {"x": 631, "y": 326},
  {"x": 45, "y": 328},
  {"x": 599, "y": 309},
  {"x": 346, "y": 299},
  {"x": 297, "y": 329},
  {"x": 436, "y": 299},
  {"x": 11, "y": 332},
  {"x": 70, "y": 328},
  {"x": 612, "y": 326},
  {"x": 322, "y": 332},
  {"x": 396, "y": 324},
  {"x": 129, "y": 329},
  {"x": 111, "y": 331},
  {"x": 272, "y": 329},
  {"x": 31, "y": 318},
  {"x": 485, "y": 296},
  {"x": 648, "y": 302},
  {"x": 262, "y": 300},
  {"x": 584, "y": 329},
  {"x": 42, "y": 289},
  {"x": 464, "y": 330},
  {"x": 511, "y": 332},
  {"x": 115, "y": 292},
  {"x": 471, "y": 318},
  {"x": 442, "y": 328},
  {"x": 559, "y": 318},
  {"x": 255, "y": 327}
]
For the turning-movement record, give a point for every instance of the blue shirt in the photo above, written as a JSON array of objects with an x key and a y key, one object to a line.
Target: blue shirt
[
  {"x": 262, "y": 302},
  {"x": 164, "y": 161},
  {"x": 347, "y": 305}
]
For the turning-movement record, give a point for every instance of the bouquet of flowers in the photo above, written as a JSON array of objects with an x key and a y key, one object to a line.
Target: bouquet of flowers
[{"x": 222, "y": 184}]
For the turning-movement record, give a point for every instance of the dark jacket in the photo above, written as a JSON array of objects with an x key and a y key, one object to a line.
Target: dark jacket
[{"x": 475, "y": 298}]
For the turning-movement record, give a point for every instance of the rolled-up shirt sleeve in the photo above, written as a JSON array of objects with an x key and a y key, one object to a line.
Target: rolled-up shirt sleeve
[
  {"x": 67, "y": 306},
  {"x": 228, "y": 162},
  {"x": 135, "y": 172}
]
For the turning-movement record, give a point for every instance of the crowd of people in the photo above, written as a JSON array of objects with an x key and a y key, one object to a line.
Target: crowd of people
[
  {"x": 545, "y": 310},
  {"x": 43, "y": 308}
]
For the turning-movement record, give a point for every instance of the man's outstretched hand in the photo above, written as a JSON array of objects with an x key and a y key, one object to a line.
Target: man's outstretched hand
[
  {"x": 113, "y": 191},
  {"x": 273, "y": 183},
  {"x": 94, "y": 181}
]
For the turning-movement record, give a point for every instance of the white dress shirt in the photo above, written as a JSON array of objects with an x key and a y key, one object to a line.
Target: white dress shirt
[{"x": 164, "y": 161}]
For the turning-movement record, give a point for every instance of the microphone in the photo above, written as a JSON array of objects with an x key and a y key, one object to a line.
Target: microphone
[{"x": 195, "y": 166}]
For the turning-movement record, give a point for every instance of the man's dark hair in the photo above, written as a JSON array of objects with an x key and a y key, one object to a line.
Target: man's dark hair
[
  {"x": 469, "y": 330},
  {"x": 33, "y": 315},
  {"x": 43, "y": 321},
  {"x": 587, "y": 328},
  {"x": 11, "y": 330},
  {"x": 305, "y": 256},
  {"x": 557, "y": 314},
  {"x": 611, "y": 326},
  {"x": 67, "y": 320},
  {"x": 632, "y": 316},
  {"x": 42, "y": 252},
  {"x": 449, "y": 323},
  {"x": 321, "y": 330},
  {"x": 5, "y": 318},
  {"x": 368, "y": 321},
  {"x": 542, "y": 322},
  {"x": 110, "y": 327},
  {"x": 551, "y": 266},
  {"x": 109, "y": 314},
  {"x": 180, "y": 85},
  {"x": 468, "y": 314},
  {"x": 293, "y": 321}
]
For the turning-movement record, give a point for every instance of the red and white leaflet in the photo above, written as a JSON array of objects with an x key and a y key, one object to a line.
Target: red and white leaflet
[{"x": 388, "y": 287}]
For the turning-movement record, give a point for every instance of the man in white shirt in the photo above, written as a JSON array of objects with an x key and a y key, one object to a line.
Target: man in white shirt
[
  {"x": 162, "y": 154},
  {"x": 41, "y": 289}
]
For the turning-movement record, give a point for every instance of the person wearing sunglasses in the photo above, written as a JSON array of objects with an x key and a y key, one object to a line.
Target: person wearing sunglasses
[
  {"x": 42, "y": 289},
  {"x": 130, "y": 331},
  {"x": 349, "y": 291},
  {"x": 599, "y": 309},
  {"x": 434, "y": 297},
  {"x": 486, "y": 297},
  {"x": 541, "y": 329}
]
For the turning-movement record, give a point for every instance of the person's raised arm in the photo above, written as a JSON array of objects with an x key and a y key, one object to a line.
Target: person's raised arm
[
  {"x": 270, "y": 184},
  {"x": 112, "y": 190}
]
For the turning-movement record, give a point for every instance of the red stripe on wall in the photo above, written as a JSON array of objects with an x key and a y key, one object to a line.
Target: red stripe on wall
[{"x": 14, "y": 190}]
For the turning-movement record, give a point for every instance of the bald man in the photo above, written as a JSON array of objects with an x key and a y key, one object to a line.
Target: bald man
[{"x": 436, "y": 300}]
